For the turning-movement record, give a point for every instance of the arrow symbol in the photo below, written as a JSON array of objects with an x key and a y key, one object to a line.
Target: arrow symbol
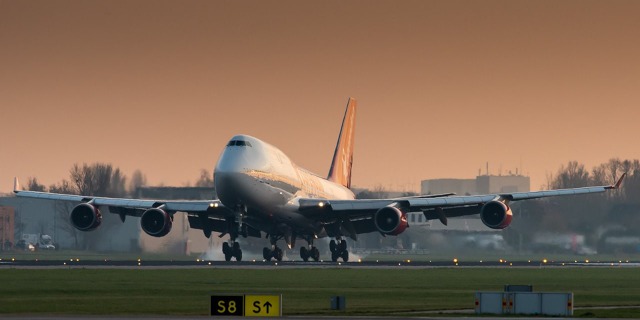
[{"x": 267, "y": 305}]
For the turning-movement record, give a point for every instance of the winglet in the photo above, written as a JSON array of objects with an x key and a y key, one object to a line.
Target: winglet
[
  {"x": 16, "y": 185},
  {"x": 617, "y": 185}
]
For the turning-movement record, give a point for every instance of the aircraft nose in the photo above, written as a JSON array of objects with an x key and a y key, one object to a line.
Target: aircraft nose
[
  {"x": 233, "y": 161},
  {"x": 240, "y": 157}
]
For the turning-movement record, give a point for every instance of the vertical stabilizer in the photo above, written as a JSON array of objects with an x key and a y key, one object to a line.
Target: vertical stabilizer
[{"x": 340, "y": 171}]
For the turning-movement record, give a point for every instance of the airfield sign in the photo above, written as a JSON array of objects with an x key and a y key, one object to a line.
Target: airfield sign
[
  {"x": 246, "y": 305},
  {"x": 262, "y": 306},
  {"x": 227, "y": 305}
]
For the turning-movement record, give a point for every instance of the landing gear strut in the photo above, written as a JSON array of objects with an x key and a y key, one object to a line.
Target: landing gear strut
[
  {"x": 309, "y": 252},
  {"x": 339, "y": 250}
]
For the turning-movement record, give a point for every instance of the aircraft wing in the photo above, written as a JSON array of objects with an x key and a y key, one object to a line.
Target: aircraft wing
[
  {"x": 208, "y": 215},
  {"x": 169, "y": 205},
  {"x": 351, "y": 217}
]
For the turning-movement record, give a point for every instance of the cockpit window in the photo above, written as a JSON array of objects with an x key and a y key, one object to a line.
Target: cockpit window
[{"x": 239, "y": 143}]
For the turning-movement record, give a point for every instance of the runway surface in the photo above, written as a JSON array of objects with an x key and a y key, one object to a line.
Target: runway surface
[{"x": 168, "y": 264}]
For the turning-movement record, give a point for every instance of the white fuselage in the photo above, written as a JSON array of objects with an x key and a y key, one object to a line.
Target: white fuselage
[{"x": 258, "y": 177}]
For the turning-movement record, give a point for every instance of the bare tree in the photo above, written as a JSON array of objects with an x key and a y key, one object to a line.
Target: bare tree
[
  {"x": 34, "y": 185},
  {"x": 63, "y": 187},
  {"x": 572, "y": 176},
  {"x": 117, "y": 185},
  {"x": 98, "y": 179},
  {"x": 138, "y": 179},
  {"x": 205, "y": 180}
]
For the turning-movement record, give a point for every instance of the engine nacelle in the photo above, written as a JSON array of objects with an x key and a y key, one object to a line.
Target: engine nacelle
[
  {"x": 156, "y": 222},
  {"x": 85, "y": 217},
  {"x": 496, "y": 215},
  {"x": 390, "y": 220}
]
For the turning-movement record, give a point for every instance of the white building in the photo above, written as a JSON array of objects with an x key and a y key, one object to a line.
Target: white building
[{"x": 480, "y": 185}]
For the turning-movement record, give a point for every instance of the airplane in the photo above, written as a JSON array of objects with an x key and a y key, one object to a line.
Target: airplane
[{"x": 261, "y": 191}]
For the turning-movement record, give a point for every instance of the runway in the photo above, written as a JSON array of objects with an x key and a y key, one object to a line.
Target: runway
[{"x": 169, "y": 264}]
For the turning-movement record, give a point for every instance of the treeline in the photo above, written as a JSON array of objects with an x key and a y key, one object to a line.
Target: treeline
[
  {"x": 98, "y": 179},
  {"x": 104, "y": 180},
  {"x": 590, "y": 215}
]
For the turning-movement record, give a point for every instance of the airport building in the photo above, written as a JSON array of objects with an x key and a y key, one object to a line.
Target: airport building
[
  {"x": 7, "y": 224},
  {"x": 457, "y": 186},
  {"x": 483, "y": 184}
]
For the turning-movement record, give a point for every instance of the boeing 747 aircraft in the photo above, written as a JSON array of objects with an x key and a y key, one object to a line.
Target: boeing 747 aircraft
[{"x": 262, "y": 192}]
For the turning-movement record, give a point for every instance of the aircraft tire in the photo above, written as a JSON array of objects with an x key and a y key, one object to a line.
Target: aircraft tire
[
  {"x": 304, "y": 254},
  {"x": 332, "y": 246},
  {"x": 226, "y": 249},
  {"x": 238, "y": 254},
  {"x": 315, "y": 254},
  {"x": 266, "y": 254},
  {"x": 334, "y": 256},
  {"x": 343, "y": 246},
  {"x": 278, "y": 254},
  {"x": 345, "y": 256}
]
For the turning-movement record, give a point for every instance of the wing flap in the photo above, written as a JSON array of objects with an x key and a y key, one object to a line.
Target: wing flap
[
  {"x": 451, "y": 212},
  {"x": 418, "y": 204}
]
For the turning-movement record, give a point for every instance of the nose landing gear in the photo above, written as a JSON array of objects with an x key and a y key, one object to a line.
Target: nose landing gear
[{"x": 232, "y": 249}]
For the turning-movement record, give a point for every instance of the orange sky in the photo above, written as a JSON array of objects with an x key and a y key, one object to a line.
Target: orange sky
[{"x": 442, "y": 86}]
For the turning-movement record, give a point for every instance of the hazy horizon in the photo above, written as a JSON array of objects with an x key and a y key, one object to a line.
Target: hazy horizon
[{"x": 442, "y": 86}]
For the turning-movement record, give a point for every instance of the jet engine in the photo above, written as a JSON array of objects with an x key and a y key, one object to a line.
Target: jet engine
[
  {"x": 85, "y": 217},
  {"x": 496, "y": 215},
  {"x": 156, "y": 222},
  {"x": 390, "y": 220}
]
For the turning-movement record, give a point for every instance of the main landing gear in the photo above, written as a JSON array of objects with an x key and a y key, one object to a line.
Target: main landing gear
[
  {"x": 232, "y": 249},
  {"x": 274, "y": 252},
  {"x": 309, "y": 252},
  {"x": 339, "y": 250}
]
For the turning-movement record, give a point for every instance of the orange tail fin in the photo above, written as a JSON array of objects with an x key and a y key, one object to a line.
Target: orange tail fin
[{"x": 340, "y": 171}]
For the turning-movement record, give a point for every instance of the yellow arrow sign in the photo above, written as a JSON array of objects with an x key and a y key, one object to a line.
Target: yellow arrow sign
[{"x": 262, "y": 306}]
